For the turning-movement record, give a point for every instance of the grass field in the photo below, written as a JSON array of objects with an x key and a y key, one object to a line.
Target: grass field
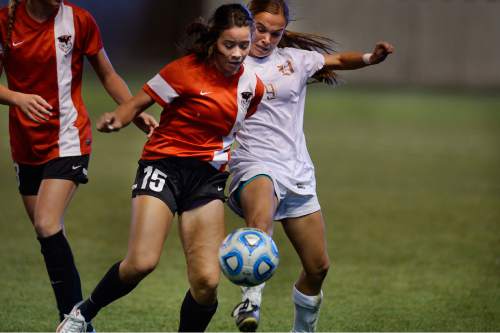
[{"x": 410, "y": 188}]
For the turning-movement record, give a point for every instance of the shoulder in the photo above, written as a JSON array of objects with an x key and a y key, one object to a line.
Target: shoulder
[
  {"x": 77, "y": 10},
  {"x": 80, "y": 14},
  {"x": 187, "y": 63},
  {"x": 182, "y": 72},
  {"x": 297, "y": 53}
]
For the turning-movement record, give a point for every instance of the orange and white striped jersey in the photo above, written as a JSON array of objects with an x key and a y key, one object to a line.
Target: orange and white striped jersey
[
  {"x": 202, "y": 112},
  {"x": 46, "y": 59}
]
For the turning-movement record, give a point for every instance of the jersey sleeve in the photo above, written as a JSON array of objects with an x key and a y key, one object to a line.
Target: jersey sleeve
[
  {"x": 259, "y": 93},
  {"x": 165, "y": 86},
  {"x": 309, "y": 62},
  {"x": 92, "y": 41}
]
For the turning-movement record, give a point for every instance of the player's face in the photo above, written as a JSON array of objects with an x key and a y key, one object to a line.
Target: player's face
[
  {"x": 232, "y": 46},
  {"x": 268, "y": 33}
]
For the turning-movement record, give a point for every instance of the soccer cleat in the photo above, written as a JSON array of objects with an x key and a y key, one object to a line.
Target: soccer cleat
[
  {"x": 246, "y": 316},
  {"x": 74, "y": 322}
]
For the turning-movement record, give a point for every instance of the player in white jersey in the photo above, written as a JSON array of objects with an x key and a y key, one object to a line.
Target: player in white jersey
[{"x": 273, "y": 175}]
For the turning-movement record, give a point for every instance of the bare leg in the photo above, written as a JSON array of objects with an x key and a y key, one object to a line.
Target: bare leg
[
  {"x": 307, "y": 234},
  {"x": 151, "y": 222},
  {"x": 202, "y": 231},
  {"x": 259, "y": 203},
  {"x": 46, "y": 211}
]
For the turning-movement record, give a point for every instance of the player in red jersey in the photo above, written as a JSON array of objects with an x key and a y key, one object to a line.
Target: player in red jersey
[
  {"x": 206, "y": 95},
  {"x": 42, "y": 47}
]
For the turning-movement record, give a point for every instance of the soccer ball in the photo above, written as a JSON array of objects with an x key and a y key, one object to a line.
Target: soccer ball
[{"x": 248, "y": 257}]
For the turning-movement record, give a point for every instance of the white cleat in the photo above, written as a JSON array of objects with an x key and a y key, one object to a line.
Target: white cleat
[
  {"x": 74, "y": 322},
  {"x": 246, "y": 316}
]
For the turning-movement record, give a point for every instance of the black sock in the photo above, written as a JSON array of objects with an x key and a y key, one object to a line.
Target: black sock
[
  {"x": 62, "y": 272},
  {"x": 195, "y": 317},
  {"x": 108, "y": 290}
]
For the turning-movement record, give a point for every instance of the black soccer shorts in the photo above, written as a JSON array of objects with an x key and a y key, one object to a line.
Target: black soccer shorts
[
  {"x": 181, "y": 183},
  {"x": 29, "y": 177}
]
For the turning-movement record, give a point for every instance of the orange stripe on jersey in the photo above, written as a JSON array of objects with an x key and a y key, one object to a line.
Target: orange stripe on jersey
[
  {"x": 46, "y": 59},
  {"x": 203, "y": 110}
]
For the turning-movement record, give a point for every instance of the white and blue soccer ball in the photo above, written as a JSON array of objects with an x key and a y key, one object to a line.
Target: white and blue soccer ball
[{"x": 248, "y": 257}]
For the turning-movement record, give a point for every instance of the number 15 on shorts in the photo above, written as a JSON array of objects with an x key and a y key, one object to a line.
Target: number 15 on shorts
[{"x": 154, "y": 179}]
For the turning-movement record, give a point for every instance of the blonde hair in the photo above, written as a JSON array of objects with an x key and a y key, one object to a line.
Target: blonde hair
[{"x": 10, "y": 24}]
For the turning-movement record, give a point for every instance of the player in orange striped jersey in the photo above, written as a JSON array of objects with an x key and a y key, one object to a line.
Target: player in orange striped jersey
[
  {"x": 42, "y": 47},
  {"x": 206, "y": 95}
]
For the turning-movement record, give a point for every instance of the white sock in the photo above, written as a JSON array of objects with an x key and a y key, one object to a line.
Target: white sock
[
  {"x": 254, "y": 294},
  {"x": 306, "y": 311}
]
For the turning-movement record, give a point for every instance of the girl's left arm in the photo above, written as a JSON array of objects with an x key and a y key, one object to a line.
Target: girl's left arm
[
  {"x": 118, "y": 89},
  {"x": 355, "y": 60}
]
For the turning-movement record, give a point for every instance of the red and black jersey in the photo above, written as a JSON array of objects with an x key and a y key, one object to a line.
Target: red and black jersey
[{"x": 203, "y": 109}]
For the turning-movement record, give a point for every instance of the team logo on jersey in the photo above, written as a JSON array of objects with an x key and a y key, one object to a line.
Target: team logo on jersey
[
  {"x": 246, "y": 98},
  {"x": 287, "y": 68},
  {"x": 271, "y": 91},
  {"x": 65, "y": 43}
]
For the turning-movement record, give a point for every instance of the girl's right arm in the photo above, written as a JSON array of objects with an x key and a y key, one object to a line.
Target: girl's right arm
[
  {"x": 33, "y": 106},
  {"x": 124, "y": 113}
]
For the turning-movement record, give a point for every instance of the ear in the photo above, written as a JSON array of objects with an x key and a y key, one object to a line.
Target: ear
[{"x": 210, "y": 51}]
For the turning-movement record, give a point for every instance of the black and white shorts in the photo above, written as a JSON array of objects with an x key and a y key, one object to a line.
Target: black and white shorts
[
  {"x": 181, "y": 183},
  {"x": 29, "y": 177}
]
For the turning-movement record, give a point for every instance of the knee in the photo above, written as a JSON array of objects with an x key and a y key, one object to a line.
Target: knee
[
  {"x": 204, "y": 287},
  {"x": 319, "y": 270},
  {"x": 136, "y": 270},
  {"x": 45, "y": 226},
  {"x": 260, "y": 221}
]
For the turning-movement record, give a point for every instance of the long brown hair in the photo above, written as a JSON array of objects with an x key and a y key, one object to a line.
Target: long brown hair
[
  {"x": 10, "y": 24},
  {"x": 206, "y": 34},
  {"x": 299, "y": 40}
]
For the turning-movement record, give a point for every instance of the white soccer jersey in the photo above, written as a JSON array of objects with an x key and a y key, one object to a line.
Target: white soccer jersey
[{"x": 273, "y": 137}]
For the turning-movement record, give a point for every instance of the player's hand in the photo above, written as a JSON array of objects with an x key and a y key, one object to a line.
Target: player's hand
[
  {"x": 146, "y": 122},
  {"x": 33, "y": 106},
  {"x": 381, "y": 51},
  {"x": 109, "y": 122}
]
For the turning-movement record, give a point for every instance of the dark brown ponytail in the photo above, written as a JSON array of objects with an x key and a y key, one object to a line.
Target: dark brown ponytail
[
  {"x": 10, "y": 24},
  {"x": 299, "y": 40}
]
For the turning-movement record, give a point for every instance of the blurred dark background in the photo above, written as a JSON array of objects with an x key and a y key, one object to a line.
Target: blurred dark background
[
  {"x": 141, "y": 33},
  {"x": 439, "y": 43}
]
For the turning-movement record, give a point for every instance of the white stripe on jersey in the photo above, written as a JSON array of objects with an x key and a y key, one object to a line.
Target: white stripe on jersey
[
  {"x": 246, "y": 84},
  {"x": 162, "y": 89},
  {"x": 220, "y": 158},
  {"x": 69, "y": 138}
]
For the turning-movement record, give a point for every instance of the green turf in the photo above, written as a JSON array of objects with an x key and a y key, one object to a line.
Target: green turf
[{"x": 410, "y": 188}]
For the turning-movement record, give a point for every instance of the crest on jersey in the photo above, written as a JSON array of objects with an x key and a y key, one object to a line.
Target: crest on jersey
[
  {"x": 246, "y": 97},
  {"x": 64, "y": 43},
  {"x": 287, "y": 68},
  {"x": 271, "y": 91}
]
